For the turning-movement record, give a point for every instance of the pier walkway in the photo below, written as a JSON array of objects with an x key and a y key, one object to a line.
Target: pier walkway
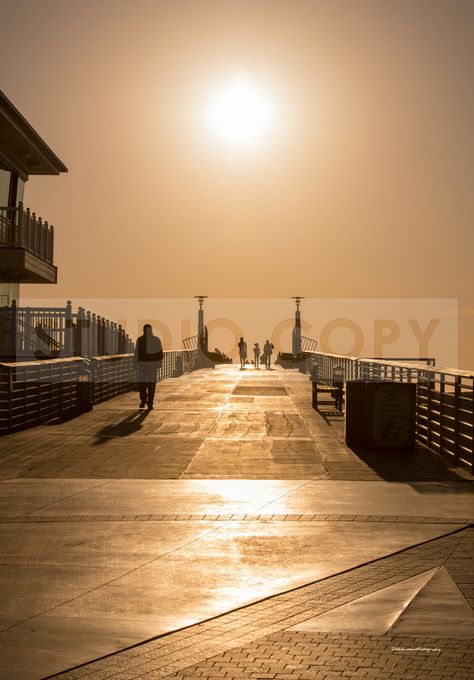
[{"x": 230, "y": 533}]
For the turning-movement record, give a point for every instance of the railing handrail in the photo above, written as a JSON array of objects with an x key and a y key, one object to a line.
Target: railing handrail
[{"x": 397, "y": 363}]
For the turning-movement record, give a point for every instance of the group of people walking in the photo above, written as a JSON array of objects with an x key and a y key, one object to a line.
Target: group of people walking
[{"x": 265, "y": 358}]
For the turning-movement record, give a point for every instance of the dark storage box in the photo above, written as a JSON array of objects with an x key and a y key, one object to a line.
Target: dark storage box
[{"x": 380, "y": 414}]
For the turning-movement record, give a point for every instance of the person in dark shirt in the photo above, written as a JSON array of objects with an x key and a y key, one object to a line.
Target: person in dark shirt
[
  {"x": 242, "y": 352},
  {"x": 267, "y": 354},
  {"x": 148, "y": 358}
]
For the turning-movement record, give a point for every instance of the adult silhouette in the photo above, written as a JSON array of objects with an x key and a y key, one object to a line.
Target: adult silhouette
[
  {"x": 267, "y": 354},
  {"x": 242, "y": 352},
  {"x": 148, "y": 358}
]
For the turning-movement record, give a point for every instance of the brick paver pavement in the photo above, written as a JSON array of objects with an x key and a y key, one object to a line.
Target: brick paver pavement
[{"x": 254, "y": 642}]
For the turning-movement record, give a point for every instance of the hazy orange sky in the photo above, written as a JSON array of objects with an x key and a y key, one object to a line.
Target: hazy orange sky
[{"x": 364, "y": 187}]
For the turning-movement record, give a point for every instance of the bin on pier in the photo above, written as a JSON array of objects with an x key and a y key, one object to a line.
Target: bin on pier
[{"x": 380, "y": 414}]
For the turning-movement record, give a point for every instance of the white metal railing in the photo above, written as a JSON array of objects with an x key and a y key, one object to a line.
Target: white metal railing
[
  {"x": 308, "y": 344},
  {"x": 32, "y": 392},
  {"x": 59, "y": 331},
  {"x": 191, "y": 342},
  {"x": 445, "y": 396}
]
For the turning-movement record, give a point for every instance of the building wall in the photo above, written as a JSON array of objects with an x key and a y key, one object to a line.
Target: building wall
[{"x": 8, "y": 293}]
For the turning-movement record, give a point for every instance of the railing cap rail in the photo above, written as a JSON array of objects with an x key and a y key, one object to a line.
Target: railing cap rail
[
  {"x": 335, "y": 356},
  {"x": 104, "y": 357},
  {"x": 41, "y": 362},
  {"x": 387, "y": 362},
  {"x": 40, "y": 310},
  {"x": 420, "y": 367}
]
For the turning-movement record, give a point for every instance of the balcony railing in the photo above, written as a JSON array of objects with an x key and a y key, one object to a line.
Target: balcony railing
[{"x": 20, "y": 228}]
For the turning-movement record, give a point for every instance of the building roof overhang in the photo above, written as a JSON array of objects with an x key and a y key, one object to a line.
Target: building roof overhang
[{"x": 21, "y": 148}]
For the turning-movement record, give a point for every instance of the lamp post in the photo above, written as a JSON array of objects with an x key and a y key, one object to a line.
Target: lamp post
[
  {"x": 200, "y": 299},
  {"x": 202, "y": 334},
  {"x": 296, "y": 340}
]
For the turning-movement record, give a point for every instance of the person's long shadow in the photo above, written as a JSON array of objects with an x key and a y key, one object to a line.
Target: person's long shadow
[{"x": 124, "y": 428}]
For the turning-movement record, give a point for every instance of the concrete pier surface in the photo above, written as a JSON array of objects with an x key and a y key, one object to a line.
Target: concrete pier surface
[{"x": 230, "y": 533}]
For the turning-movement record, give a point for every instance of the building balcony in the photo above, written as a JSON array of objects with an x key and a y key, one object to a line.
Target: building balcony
[{"x": 26, "y": 247}]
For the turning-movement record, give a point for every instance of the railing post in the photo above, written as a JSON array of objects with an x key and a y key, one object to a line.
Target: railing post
[
  {"x": 430, "y": 388},
  {"x": 46, "y": 241},
  {"x": 32, "y": 218},
  {"x": 25, "y": 217},
  {"x": 40, "y": 238},
  {"x": 51, "y": 245},
  {"x": 23, "y": 223},
  {"x": 105, "y": 344},
  {"x": 457, "y": 393},
  {"x": 108, "y": 333},
  {"x": 472, "y": 426},
  {"x": 28, "y": 335},
  {"x": 13, "y": 329},
  {"x": 44, "y": 251},
  {"x": 68, "y": 330},
  {"x": 79, "y": 344},
  {"x": 87, "y": 334},
  {"x": 116, "y": 338},
  {"x": 12, "y": 226},
  {"x": 100, "y": 336},
  {"x": 121, "y": 339},
  {"x": 103, "y": 325},
  {"x": 314, "y": 386},
  {"x": 17, "y": 222},
  {"x": 442, "y": 408},
  {"x": 93, "y": 335},
  {"x": 113, "y": 335}
]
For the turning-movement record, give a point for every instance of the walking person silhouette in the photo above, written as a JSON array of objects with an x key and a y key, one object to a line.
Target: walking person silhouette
[
  {"x": 242, "y": 352},
  {"x": 148, "y": 358},
  {"x": 267, "y": 354},
  {"x": 256, "y": 354}
]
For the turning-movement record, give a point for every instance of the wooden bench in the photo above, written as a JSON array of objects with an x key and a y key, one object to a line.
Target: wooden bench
[{"x": 333, "y": 386}]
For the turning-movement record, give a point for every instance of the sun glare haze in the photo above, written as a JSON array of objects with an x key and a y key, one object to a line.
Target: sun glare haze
[
  {"x": 240, "y": 113},
  {"x": 296, "y": 137}
]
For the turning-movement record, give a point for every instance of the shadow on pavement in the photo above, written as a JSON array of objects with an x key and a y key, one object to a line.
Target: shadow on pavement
[
  {"x": 124, "y": 428},
  {"x": 417, "y": 465},
  {"x": 69, "y": 415}
]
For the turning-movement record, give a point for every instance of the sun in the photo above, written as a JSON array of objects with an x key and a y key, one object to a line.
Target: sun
[{"x": 240, "y": 114}]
